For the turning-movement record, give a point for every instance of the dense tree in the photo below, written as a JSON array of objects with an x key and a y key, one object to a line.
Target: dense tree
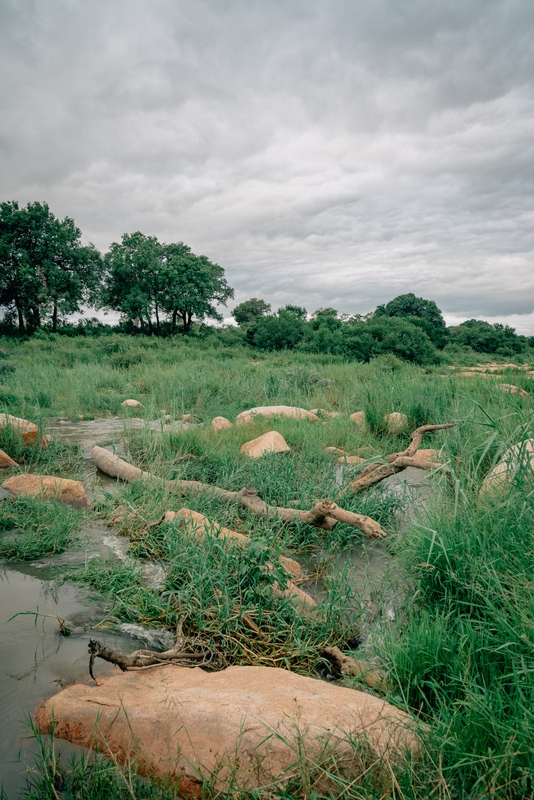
[
  {"x": 420, "y": 312},
  {"x": 193, "y": 285},
  {"x": 282, "y": 331},
  {"x": 249, "y": 310},
  {"x": 45, "y": 269},
  {"x": 147, "y": 280},
  {"x": 486, "y": 338}
]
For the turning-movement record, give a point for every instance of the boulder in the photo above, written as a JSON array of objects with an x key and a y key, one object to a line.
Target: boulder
[
  {"x": 512, "y": 389},
  {"x": 241, "y": 727},
  {"x": 131, "y": 404},
  {"x": 395, "y": 422},
  {"x": 6, "y": 461},
  {"x": 351, "y": 460},
  {"x": 358, "y": 417},
  {"x": 63, "y": 489},
  {"x": 521, "y": 454},
  {"x": 271, "y": 442},
  {"x": 28, "y": 430},
  {"x": 221, "y": 424},
  {"x": 275, "y": 411}
]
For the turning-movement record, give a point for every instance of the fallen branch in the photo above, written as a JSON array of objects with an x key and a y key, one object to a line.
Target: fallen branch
[
  {"x": 324, "y": 514},
  {"x": 395, "y": 462},
  {"x": 345, "y": 665},
  {"x": 141, "y": 659}
]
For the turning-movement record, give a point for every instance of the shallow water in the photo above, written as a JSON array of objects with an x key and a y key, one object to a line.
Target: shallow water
[{"x": 36, "y": 661}]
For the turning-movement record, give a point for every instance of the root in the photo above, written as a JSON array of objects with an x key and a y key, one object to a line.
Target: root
[
  {"x": 324, "y": 514},
  {"x": 395, "y": 462},
  {"x": 141, "y": 659}
]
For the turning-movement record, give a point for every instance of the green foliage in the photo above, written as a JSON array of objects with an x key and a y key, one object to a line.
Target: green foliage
[
  {"x": 418, "y": 311},
  {"x": 249, "y": 310},
  {"x": 44, "y": 268},
  {"x": 281, "y": 332},
  {"x": 147, "y": 280},
  {"x": 31, "y": 528},
  {"x": 483, "y": 337}
]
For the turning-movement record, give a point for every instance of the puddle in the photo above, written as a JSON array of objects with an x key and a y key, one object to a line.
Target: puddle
[{"x": 36, "y": 662}]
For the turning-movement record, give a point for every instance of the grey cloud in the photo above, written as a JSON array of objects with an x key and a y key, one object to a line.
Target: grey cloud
[{"x": 326, "y": 154}]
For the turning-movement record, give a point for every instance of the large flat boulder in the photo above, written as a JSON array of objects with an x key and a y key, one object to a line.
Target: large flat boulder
[
  {"x": 246, "y": 724},
  {"x": 28, "y": 430},
  {"x": 63, "y": 489},
  {"x": 275, "y": 411}
]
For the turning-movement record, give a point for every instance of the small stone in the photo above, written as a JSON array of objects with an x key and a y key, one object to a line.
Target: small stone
[
  {"x": 396, "y": 422},
  {"x": 271, "y": 442},
  {"x": 512, "y": 389},
  {"x": 191, "y": 419},
  {"x": 335, "y": 451},
  {"x": 131, "y": 404},
  {"x": 358, "y": 417},
  {"x": 65, "y": 490},
  {"x": 221, "y": 424}
]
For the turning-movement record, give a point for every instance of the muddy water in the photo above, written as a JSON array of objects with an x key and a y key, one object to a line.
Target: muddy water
[{"x": 36, "y": 661}]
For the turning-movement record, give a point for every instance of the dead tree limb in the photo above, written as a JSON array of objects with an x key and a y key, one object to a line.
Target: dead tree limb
[
  {"x": 140, "y": 659},
  {"x": 345, "y": 665},
  {"x": 325, "y": 514},
  {"x": 395, "y": 462}
]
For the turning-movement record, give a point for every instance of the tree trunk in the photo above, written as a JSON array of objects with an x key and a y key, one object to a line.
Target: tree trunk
[
  {"x": 157, "y": 319},
  {"x": 54, "y": 318},
  {"x": 22, "y": 327},
  {"x": 174, "y": 315}
]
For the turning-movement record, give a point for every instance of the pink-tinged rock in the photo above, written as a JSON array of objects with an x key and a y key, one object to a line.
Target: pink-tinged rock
[
  {"x": 396, "y": 421},
  {"x": 512, "y": 389},
  {"x": 520, "y": 455},
  {"x": 351, "y": 460},
  {"x": 132, "y": 404},
  {"x": 243, "y": 723},
  {"x": 271, "y": 442},
  {"x": 28, "y": 430},
  {"x": 275, "y": 411},
  {"x": 358, "y": 417},
  {"x": 65, "y": 490},
  {"x": 221, "y": 424},
  {"x": 6, "y": 461}
]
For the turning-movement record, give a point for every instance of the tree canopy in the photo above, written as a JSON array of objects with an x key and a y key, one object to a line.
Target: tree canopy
[
  {"x": 147, "y": 281},
  {"x": 423, "y": 313},
  {"x": 45, "y": 268},
  {"x": 249, "y": 310}
]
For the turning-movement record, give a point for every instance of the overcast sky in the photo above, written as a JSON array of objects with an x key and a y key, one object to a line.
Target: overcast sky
[{"x": 324, "y": 152}]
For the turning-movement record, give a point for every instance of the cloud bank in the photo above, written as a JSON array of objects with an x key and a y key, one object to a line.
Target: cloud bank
[{"x": 330, "y": 154}]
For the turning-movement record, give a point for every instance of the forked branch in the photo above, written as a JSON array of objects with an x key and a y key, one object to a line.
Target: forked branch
[{"x": 325, "y": 514}]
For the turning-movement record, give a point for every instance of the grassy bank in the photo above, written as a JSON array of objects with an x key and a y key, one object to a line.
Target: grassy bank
[{"x": 460, "y": 655}]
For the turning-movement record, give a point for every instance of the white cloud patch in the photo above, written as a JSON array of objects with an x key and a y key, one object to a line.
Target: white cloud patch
[{"x": 325, "y": 154}]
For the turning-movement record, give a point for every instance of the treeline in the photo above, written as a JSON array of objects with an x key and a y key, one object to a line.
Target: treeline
[
  {"x": 47, "y": 274},
  {"x": 409, "y": 327}
]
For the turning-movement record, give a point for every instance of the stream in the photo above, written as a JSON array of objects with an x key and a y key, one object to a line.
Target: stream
[{"x": 35, "y": 660}]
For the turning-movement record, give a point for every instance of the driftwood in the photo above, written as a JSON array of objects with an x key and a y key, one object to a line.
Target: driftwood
[
  {"x": 141, "y": 659},
  {"x": 395, "y": 462},
  {"x": 345, "y": 665},
  {"x": 324, "y": 514}
]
